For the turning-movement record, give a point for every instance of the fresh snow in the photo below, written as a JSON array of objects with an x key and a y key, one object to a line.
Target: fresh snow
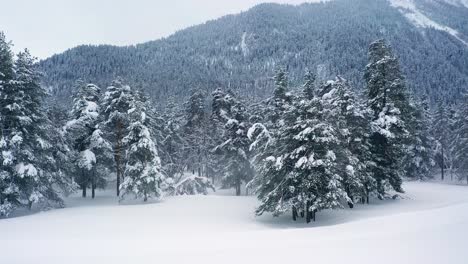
[
  {"x": 415, "y": 16},
  {"x": 87, "y": 159},
  {"x": 428, "y": 225},
  {"x": 26, "y": 170}
]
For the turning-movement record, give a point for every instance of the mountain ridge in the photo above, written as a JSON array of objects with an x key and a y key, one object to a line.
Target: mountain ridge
[{"x": 241, "y": 51}]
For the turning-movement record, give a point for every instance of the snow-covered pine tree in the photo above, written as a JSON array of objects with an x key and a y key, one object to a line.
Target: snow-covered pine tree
[
  {"x": 92, "y": 151},
  {"x": 172, "y": 154},
  {"x": 309, "y": 84},
  {"x": 419, "y": 157},
  {"x": 442, "y": 133},
  {"x": 388, "y": 100},
  {"x": 143, "y": 172},
  {"x": 195, "y": 133},
  {"x": 28, "y": 168},
  {"x": 461, "y": 150},
  {"x": 352, "y": 120},
  {"x": 221, "y": 105},
  {"x": 8, "y": 188},
  {"x": 117, "y": 101},
  {"x": 235, "y": 149},
  {"x": 301, "y": 173},
  {"x": 63, "y": 154},
  {"x": 280, "y": 101}
]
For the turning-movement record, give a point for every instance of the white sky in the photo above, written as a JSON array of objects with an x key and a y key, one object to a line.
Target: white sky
[{"x": 46, "y": 27}]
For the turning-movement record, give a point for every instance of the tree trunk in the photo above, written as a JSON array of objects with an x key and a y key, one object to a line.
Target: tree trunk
[
  {"x": 93, "y": 184},
  {"x": 443, "y": 165},
  {"x": 238, "y": 186},
  {"x": 83, "y": 187},
  {"x": 294, "y": 213},
  {"x": 118, "y": 155},
  {"x": 307, "y": 213}
]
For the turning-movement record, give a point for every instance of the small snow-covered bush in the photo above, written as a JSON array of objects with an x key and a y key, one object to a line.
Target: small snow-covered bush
[{"x": 191, "y": 185}]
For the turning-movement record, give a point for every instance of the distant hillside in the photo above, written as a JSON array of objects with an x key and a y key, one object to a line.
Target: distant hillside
[{"x": 241, "y": 51}]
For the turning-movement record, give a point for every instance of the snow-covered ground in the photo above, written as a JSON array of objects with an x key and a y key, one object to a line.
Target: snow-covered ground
[{"x": 430, "y": 225}]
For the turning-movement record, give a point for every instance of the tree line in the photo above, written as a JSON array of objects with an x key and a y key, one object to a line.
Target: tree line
[{"x": 302, "y": 150}]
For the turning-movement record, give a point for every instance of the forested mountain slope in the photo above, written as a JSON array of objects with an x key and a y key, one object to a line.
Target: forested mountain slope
[{"x": 241, "y": 51}]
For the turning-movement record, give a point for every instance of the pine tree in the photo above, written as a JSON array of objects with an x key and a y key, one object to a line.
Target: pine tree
[
  {"x": 172, "y": 154},
  {"x": 117, "y": 101},
  {"x": 309, "y": 85},
  {"x": 387, "y": 98},
  {"x": 235, "y": 148},
  {"x": 29, "y": 174},
  {"x": 143, "y": 172},
  {"x": 419, "y": 157},
  {"x": 221, "y": 112},
  {"x": 352, "y": 120},
  {"x": 8, "y": 188},
  {"x": 62, "y": 153},
  {"x": 92, "y": 151},
  {"x": 278, "y": 104},
  {"x": 442, "y": 134},
  {"x": 301, "y": 172},
  {"x": 195, "y": 133},
  {"x": 461, "y": 150}
]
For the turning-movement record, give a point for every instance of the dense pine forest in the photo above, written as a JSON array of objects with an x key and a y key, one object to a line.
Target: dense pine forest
[{"x": 304, "y": 149}]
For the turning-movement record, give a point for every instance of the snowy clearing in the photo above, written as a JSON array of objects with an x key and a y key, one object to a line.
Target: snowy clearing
[{"x": 428, "y": 226}]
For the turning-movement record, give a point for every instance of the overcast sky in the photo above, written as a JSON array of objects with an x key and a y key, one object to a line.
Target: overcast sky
[{"x": 46, "y": 27}]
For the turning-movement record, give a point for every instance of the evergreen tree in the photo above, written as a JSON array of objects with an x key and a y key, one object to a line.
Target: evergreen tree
[
  {"x": 235, "y": 148},
  {"x": 301, "y": 172},
  {"x": 8, "y": 187},
  {"x": 309, "y": 85},
  {"x": 387, "y": 98},
  {"x": 172, "y": 154},
  {"x": 143, "y": 171},
  {"x": 281, "y": 84},
  {"x": 28, "y": 173},
  {"x": 117, "y": 101},
  {"x": 442, "y": 134},
  {"x": 461, "y": 150},
  {"x": 352, "y": 120},
  {"x": 92, "y": 151},
  {"x": 195, "y": 133},
  {"x": 419, "y": 157}
]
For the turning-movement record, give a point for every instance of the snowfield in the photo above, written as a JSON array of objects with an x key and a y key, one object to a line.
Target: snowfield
[{"x": 430, "y": 225}]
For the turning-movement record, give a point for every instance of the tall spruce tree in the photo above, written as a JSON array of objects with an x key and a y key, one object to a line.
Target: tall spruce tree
[
  {"x": 352, "y": 121},
  {"x": 234, "y": 149},
  {"x": 442, "y": 133},
  {"x": 92, "y": 151},
  {"x": 28, "y": 172},
  {"x": 461, "y": 150},
  {"x": 8, "y": 187},
  {"x": 388, "y": 100},
  {"x": 194, "y": 133},
  {"x": 309, "y": 84},
  {"x": 419, "y": 157},
  {"x": 298, "y": 169},
  {"x": 143, "y": 171},
  {"x": 117, "y": 101},
  {"x": 172, "y": 155}
]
